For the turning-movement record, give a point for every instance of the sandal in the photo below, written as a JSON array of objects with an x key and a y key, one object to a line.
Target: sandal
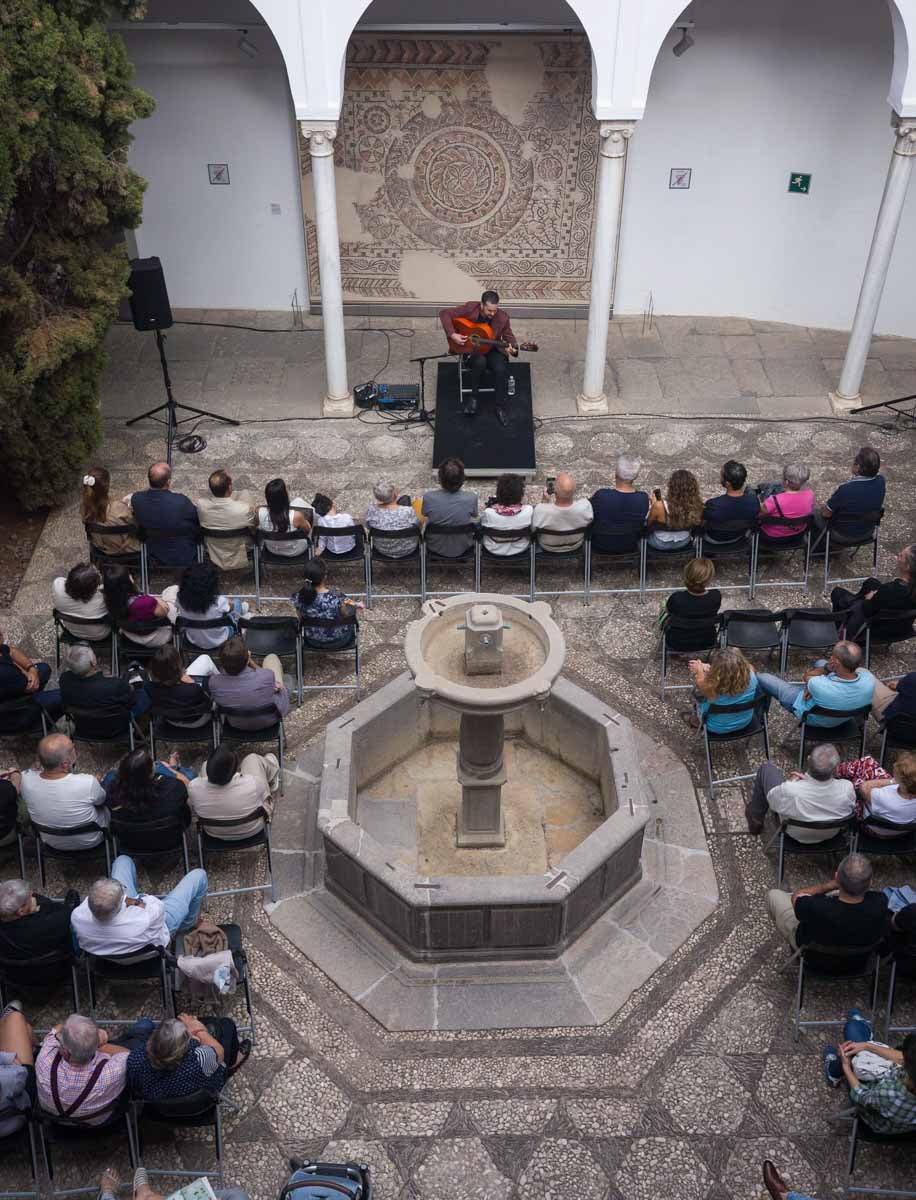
[
  {"x": 690, "y": 719},
  {"x": 243, "y": 1057},
  {"x": 114, "y": 1179}
]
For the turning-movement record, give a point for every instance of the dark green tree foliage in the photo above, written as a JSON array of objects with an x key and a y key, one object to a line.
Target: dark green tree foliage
[{"x": 67, "y": 102}]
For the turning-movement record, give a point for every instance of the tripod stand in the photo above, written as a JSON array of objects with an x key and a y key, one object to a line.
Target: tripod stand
[
  {"x": 171, "y": 407},
  {"x": 892, "y": 405},
  {"x": 423, "y": 416}
]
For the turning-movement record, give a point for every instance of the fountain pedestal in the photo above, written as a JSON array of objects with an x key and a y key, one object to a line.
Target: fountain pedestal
[{"x": 481, "y": 774}]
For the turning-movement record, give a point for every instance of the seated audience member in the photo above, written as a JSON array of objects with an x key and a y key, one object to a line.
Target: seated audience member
[
  {"x": 182, "y": 1056},
  {"x": 243, "y": 684},
  {"x": 386, "y": 513},
  {"x": 83, "y": 686},
  {"x": 160, "y": 508},
  {"x": 16, "y": 1070},
  {"x": 559, "y": 513},
  {"x": 509, "y": 512},
  {"x": 316, "y": 599},
  {"x": 672, "y": 519},
  {"x": 726, "y": 679},
  {"x": 839, "y": 682},
  {"x": 142, "y": 790},
  {"x": 20, "y": 676},
  {"x": 795, "y": 500},
  {"x": 223, "y": 509},
  {"x": 280, "y": 515},
  {"x": 738, "y": 504},
  {"x": 326, "y": 514},
  {"x": 894, "y": 801},
  {"x": 98, "y": 508},
  {"x": 108, "y": 1188},
  {"x": 80, "y": 595},
  {"x": 816, "y": 795},
  {"x": 127, "y": 603},
  {"x": 897, "y": 595},
  {"x": 172, "y": 690},
  {"x": 56, "y": 796},
  {"x": 696, "y": 603},
  {"x": 772, "y": 1181},
  {"x": 843, "y": 913},
  {"x": 621, "y": 504},
  {"x": 10, "y": 783},
  {"x": 80, "y": 1072},
  {"x": 227, "y": 789},
  {"x": 902, "y": 932},
  {"x": 896, "y": 698},
  {"x": 199, "y": 599},
  {"x": 886, "y": 1103},
  {"x": 31, "y": 925},
  {"x": 116, "y": 919},
  {"x": 449, "y": 504},
  {"x": 862, "y": 493}
]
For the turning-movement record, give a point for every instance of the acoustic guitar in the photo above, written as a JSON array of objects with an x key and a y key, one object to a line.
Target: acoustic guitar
[{"x": 480, "y": 334}]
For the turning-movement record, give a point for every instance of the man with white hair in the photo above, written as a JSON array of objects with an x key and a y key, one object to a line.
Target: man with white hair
[
  {"x": 620, "y": 512},
  {"x": 116, "y": 919},
  {"x": 816, "y": 795},
  {"x": 83, "y": 686},
  {"x": 57, "y": 796},
  {"x": 32, "y": 925},
  {"x": 558, "y": 513},
  {"x": 80, "y": 1073}
]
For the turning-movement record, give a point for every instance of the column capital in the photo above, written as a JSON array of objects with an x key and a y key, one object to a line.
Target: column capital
[
  {"x": 320, "y": 136},
  {"x": 614, "y": 137},
  {"x": 905, "y": 132}
]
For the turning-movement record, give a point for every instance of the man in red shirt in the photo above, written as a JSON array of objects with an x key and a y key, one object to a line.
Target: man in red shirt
[{"x": 494, "y": 357}]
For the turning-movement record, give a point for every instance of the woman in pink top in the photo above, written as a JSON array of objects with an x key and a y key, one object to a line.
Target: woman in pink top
[
  {"x": 126, "y": 602},
  {"x": 796, "y": 500}
]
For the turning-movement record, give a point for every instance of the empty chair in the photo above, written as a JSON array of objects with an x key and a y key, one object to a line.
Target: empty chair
[
  {"x": 849, "y": 531},
  {"x": 806, "y": 629},
  {"x": 753, "y": 631},
  {"x": 837, "y": 964},
  {"x": 862, "y": 1132},
  {"x": 199, "y": 1110},
  {"x": 274, "y": 635}
]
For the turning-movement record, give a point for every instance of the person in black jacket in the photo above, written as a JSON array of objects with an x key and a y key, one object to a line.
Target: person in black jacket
[
  {"x": 897, "y": 595},
  {"x": 144, "y": 791},
  {"x": 84, "y": 686},
  {"x": 697, "y": 602},
  {"x": 32, "y": 925},
  {"x": 173, "y": 693},
  {"x": 161, "y": 508}
]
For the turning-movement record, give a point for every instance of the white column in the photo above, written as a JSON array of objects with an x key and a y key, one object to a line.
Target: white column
[
  {"x": 879, "y": 260},
  {"x": 337, "y": 401},
  {"x": 612, "y": 161}
]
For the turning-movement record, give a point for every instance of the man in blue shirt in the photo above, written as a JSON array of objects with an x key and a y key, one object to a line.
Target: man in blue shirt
[
  {"x": 161, "y": 508},
  {"x": 863, "y": 493},
  {"x": 737, "y": 504},
  {"x": 621, "y": 505},
  {"x": 839, "y": 682}
]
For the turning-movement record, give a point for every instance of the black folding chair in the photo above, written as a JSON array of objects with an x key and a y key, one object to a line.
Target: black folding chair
[
  {"x": 862, "y": 1132},
  {"x": 147, "y": 534},
  {"x": 199, "y": 1110},
  {"x": 899, "y": 837},
  {"x": 837, "y": 964},
  {"x": 898, "y": 734},
  {"x": 153, "y": 838},
  {"x": 128, "y": 648},
  {"x": 756, "y": 727},
  {"x": 265, "y": 557},
  {"x": 676, "y": 555},
  {"x": 752, "y": 631},
  {"x": 25, "y": 1139},
  {"x": 55, "y": 1131},
  {"x": 41, "y": 974},
  {"x": 102, "y": 558},
  {"x": 22, "y": 717},
  {"x": 354, "y": 558},
  {"x": 702, "y": 634},
  {"x": 430, "y": 557},
  {"x": 188, "y": 649},
  {"x": 240, "y": 960},
  {"x": 376, "y": 557},
  {"x": 852, "y": 728},
  {"x": 314, "y": 648},
  {"x": 142, "y": 965},
  {"x": 105, "y": 725},
  {"x": 902, "y": 961},
  {"x": 887, "y": 628},
  {"x": 78, "y": 854},
  {"x": 842, "y": 842},
  {"x": 171, "y": 725},
  {"x": 844, "y": 531},
  {"x": 807, "y": 629},
  {"x": 518, "y": 560},
  {"x": 209, "y": 844},
  {"x": 768, "y": 547},
  {"x": 66, "y": 636},
  {"x": 553, "y": 556},
  {"x": 274, "y": 635},
  {"x": 633, "y": 532},
  {"x": 738, "y": 541},
  {"x": 272, "y": 733}
]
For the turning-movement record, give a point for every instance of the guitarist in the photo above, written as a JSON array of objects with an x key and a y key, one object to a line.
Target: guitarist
[{"x": 489, "y": 312}]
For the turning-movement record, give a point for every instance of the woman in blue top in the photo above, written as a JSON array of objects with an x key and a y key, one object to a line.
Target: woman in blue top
[
  {"x": 726, "y": 679},
  {"x": 316, "y": 599}
]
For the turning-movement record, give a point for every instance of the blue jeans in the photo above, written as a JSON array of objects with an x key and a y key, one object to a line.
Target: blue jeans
[
  {"x": 49, "y": 701},
  {"x": 855, "y": 1030},
  {"x": 790, "y": 1196},
  {"x": 182, "y": 904},
  {"x": 786, "y": 693},
  {"x": 136, "y": 1035}
]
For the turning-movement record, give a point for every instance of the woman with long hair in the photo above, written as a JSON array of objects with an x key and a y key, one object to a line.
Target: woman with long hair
[
  {"x": 79, "y": 594},
  {"x": 727, "y": 679},
  {"x": 143, "y": 790},
  {"x": 316, "y": 599},
  {"x": 173, "y": 691},
  {"x": 199, "y": 599},
  {"x": 280, "y": 515},
  {"x": 126, "y": 603},
  {"x": 898, "y": 594},
  {"x": 98, "y": 508},
  {"x": 670, "y": 520}
]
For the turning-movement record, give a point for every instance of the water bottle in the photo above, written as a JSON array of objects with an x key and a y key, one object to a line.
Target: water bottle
[{"x": 511, "y": 388}]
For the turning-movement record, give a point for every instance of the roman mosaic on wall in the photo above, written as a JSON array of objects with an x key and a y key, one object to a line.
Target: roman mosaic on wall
[{"x": 463, "y": 164}]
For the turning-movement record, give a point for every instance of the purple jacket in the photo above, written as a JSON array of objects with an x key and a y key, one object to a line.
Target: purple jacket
[{"x": 253, "y": 688}]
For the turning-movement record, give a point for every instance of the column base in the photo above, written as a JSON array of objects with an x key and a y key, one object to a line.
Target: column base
[
  {"x": 337, "y": 406},
  {"x": 843, "y": 404},
  {"x": 592, "y": 406},
  {"x": 476, "y": 839}
]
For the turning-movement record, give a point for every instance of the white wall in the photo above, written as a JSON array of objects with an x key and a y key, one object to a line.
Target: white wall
[
  {"x": 221, "y": 247},
  {"x": 790, "y": 85}
]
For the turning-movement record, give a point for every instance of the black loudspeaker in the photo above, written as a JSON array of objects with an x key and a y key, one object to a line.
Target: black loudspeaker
[{"x": 149, "y": 298}]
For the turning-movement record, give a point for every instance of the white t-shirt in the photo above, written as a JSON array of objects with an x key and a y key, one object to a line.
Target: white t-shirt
[
  {"x": 561, "y": 519},
  {"x": 888, "y": 803},
  {"x": 490, "y": 519},
  {"x": 335, "y": 545},
  {"x": 69, "y": 801},
  {"x": 208, "y": 639},
  {"x": 69, "y": 607},
  {"x": 293, "y": 549},
  {"x": 812, "y": 799}
]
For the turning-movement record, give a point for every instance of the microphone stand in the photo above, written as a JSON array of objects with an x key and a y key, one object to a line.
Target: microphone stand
[{"x": 423, "y": 416}]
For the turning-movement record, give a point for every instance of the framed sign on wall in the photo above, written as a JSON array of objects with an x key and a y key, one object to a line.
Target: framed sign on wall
[
  {"x": 219, "y": 173},
  {"x": 679, "y": 178}
]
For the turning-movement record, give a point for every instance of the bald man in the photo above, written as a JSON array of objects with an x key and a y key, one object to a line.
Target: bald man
[
  {"x": 56, "y": 795},
  {"x": 161, "y": 508},
  {"x": 558, "y": 513}
]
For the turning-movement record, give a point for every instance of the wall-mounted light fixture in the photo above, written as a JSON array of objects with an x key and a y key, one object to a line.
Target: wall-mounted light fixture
[
  {"x": 686, "y": 41},
  {"x": 247, "y": 47}
]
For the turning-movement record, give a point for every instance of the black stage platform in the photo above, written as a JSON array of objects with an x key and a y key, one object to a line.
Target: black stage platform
[{"x": 482, "y": 444}]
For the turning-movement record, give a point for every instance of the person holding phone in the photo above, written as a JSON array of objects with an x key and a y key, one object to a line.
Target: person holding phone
[{"x": 560, "y": 512}]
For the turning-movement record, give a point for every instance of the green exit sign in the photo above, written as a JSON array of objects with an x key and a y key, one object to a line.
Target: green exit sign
[{"x": 799, "y": 184}]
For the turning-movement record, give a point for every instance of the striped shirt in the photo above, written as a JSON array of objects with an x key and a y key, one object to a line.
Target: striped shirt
[
  {"x": 73, "y": 1077},
  {"x": 887, "y": 1105},
  {"x": 199, "y": 1070}
]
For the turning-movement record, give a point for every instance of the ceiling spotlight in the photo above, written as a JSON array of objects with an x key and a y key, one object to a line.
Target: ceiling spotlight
[
  {"x": 686, "y": 41},
  {"x": 247, "y": 47}
]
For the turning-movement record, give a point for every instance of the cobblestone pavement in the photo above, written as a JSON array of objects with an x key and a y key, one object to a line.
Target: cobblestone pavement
[{"x": 697, "y": 1078}]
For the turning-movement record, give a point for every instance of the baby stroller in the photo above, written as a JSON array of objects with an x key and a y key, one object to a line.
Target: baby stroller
[{"x": 327, "y": 1181}]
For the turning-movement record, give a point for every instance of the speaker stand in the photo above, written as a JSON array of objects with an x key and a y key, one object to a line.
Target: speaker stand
[{"x": 171, "y": 407}]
